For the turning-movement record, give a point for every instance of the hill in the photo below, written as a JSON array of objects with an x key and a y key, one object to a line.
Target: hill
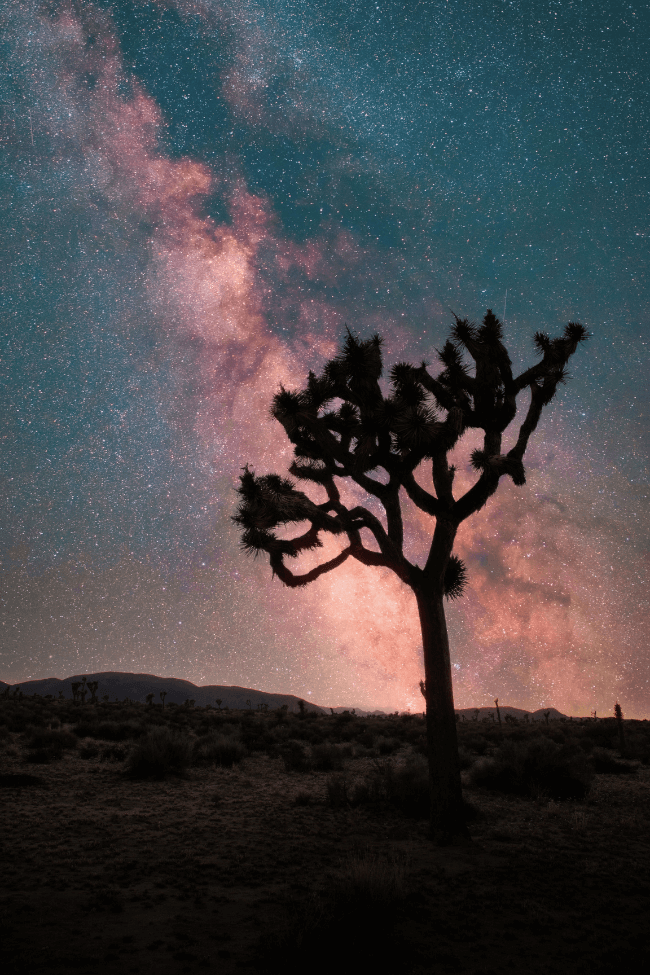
[
  {"x": 135, "y": 687},
  {"x": 490, "y": 714}
]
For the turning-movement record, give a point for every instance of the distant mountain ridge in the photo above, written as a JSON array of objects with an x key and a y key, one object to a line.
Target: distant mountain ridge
[
  {"x": 482, "y": 714},
  {"x": 135, "y": 687}
]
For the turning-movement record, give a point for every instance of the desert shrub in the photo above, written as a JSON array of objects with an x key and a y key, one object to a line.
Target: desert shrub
[
  {"x": 256, "y": 736},
  {"x": 327, "y": 757},
  {"x": 219, "y": 749},
  {"x": 407, "y": 785},
  {"x": 21, "y": 718},
  {"x": 556, "y": 733},
  {"x": 9, "y": 780},
  {"x": 213, "y": 722},
  {"x": 602, "y": 733},
  {"x": 106, "y": 899},
  {"x": 48, "y": 745},
  {"x": 113, "y": 753},
  {"x": 42, "y": 737},
  {"x": 367, "y": 879},
  {"x": 304, "y": 798},
  {"x": 604, "y": 760},
  {"x": 638, "y": 747},
  {"x": 295, "y": 756},
  {"x": 43, "y": 756},
  {"x": 386, "y": 746},
  {"x": 474, "y": 743},
  {"x": 88, "y": 750},
  {"x": 365, "y": 737},
  {"x": 344, "y": 718},
  {"x": 337, "y": 787},
  {"x": 159, "y": 753},
  {"x": 535, "y": 767},
  {"x": 108, "y": 730},
  {"x": 419, "y": 744}
]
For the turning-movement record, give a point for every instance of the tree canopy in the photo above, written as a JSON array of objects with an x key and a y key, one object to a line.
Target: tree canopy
[{"x": 343, "y": 426}]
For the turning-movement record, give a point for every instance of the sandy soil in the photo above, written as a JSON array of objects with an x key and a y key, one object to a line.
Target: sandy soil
[{"x": 248, "y": 870}]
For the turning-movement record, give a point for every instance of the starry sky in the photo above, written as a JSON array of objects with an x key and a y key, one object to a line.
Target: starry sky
[{"x": 196, "y": 198}]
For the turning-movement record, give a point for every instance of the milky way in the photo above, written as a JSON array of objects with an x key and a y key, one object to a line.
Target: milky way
[{"x": 196, "y": 199}]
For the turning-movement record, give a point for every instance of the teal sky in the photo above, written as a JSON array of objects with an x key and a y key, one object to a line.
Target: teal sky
[{"x": 197, "y": 197}]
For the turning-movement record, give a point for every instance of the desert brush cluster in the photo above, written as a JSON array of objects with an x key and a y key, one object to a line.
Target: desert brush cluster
[{"x": 181, "y": 837}]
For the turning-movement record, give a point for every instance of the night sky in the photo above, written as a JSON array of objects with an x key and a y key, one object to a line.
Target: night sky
[{"x": 196, "y": 198}]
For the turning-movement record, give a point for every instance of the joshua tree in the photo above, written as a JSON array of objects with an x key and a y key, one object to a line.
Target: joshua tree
[
  {"x": 547, "y": 715},
  {"x": 344, "y": 427},
  {"x": 92, "y": 687},
  {"x": 496, "y": 704},
  {"x": 149, "y": 700},
  {"x": 83, "y": 690},
  {"x": 75, "y": 685},
  {"x": 218, "y": 700},
  {"x": 163, "y": 695},
  {"x": 618, "y": 714}
]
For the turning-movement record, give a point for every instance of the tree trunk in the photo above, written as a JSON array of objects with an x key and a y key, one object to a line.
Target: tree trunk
[{"x": 447, "y": 813}]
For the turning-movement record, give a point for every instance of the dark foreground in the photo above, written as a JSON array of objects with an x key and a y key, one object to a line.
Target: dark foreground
[{"x": 274, "y": 865}]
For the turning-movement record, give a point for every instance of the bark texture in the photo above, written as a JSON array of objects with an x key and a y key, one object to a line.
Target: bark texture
[{"x": 447, "y": 823}]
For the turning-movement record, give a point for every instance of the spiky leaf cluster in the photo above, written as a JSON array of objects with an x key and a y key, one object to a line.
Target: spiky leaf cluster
[
  {"x": 271, "y": 501},
  {"x": 343, "y": 424}
]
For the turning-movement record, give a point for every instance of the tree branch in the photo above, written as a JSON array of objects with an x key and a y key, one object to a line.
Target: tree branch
[
  {"x": 294, "y": 580},
  {"x": 424, "y": 501},
  {"x": 443, "y": 477},
  {"x": 388, "y": 549},
  {"x": 394, "y": 514},
  {"x": 530, "y": 423}
]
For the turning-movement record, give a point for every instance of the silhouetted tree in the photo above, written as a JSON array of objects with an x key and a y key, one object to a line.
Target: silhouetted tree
[
  {"x": 75, "y": 685},
  {"x": 149, "y": 700},
  {"x": 218, "y": 700},
  {"x": 163, "y": 695},
  {"x": 618, "y": 714},
  {"x": 344, "y": 427},
  {"x": 93, "y": 685}
]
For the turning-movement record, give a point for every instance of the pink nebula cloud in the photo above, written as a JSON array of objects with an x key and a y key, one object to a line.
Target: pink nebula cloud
[{"x": 537, "y": 624}]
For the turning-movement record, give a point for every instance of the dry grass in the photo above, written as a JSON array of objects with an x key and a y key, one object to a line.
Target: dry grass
[{"x": 255, "y": 868}]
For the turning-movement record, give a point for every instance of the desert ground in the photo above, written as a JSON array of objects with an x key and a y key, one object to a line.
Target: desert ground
[{"x": 301, "y": 854}]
